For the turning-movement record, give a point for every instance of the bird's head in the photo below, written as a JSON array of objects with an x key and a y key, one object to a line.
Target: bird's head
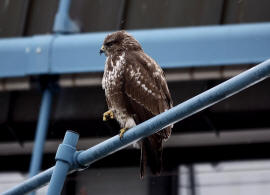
[{"x": 119, "y": 41}]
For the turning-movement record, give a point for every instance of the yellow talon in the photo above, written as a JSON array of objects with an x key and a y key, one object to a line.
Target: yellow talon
[
  {"x": 108, "y": 115},
  {"x": 122, "y": 131}
]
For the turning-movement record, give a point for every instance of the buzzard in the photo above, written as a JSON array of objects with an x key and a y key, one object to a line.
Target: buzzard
[{"x": 136, "y": 90}]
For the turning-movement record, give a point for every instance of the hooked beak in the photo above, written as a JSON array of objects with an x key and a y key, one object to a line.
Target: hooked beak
[{"x": 102, "y": 50}]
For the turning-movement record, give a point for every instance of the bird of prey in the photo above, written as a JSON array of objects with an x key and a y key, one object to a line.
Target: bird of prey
[{"x": 136, "y": 90}]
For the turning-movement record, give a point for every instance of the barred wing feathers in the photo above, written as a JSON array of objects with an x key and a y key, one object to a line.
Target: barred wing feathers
[{"x": 146, "y": 88}]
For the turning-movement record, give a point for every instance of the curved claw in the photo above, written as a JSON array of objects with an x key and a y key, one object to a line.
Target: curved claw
[
  {"x": 122, "y": 131},
  {"x": 108, "y": 115}
]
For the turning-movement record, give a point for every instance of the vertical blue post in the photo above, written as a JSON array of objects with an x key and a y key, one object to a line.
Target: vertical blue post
[
  {"x": 41, "y": 133},
  {"x": 62, "y": 21},
  {"x": 64, "y": 160}
]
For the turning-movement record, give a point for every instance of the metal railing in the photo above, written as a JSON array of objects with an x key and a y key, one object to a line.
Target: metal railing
[{"x": 68, "y": 159}]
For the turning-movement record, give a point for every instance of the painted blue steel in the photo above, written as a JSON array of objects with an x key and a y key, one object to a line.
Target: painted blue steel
[
  {"x": 13, "y": 57},
  {"x": 62, "y": 22},
  {"x": 177, "y": 113},
  {"x": 32, "y": 183},
  {"x": 41, "y": 133},
  {"x": 64, "y": 160},
  {"x": 172, "y": 48},
  {"x": 38, "y": 53},
  {"x": 25, "y": 56}
]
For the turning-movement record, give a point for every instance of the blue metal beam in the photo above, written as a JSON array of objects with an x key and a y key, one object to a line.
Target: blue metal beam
[
  {"x": 25, "y": 56},
  {"x": 41, "y": 133},
  {"x": 176, "y": 114},
  {"x": 172, "y": 48}
]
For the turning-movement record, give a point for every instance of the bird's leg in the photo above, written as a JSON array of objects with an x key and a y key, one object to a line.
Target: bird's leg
[
  {"x": 129, "y": 123},
  {"x": 108, "y": 115},
  {"x": 122, "y": 131}
]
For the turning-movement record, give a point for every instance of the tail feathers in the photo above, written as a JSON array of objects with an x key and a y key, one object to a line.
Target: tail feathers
[
  {"x": 143, "y": 160},
  {"x": 151, "y": 154}
]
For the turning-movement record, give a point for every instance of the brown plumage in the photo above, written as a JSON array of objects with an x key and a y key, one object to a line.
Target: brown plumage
[{"x": 136, "y": 90}]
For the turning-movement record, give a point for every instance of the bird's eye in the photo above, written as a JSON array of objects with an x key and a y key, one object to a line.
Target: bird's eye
[{"x": 109, "y": 44}]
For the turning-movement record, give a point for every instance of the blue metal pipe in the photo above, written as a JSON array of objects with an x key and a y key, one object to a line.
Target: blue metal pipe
[
  {"x": 32, "y": 183},
  {"x": 41, "y": 133},
  {"x": 25, "y": 56},
  {"x": 172, "y": 48},
  {"x": 62, "y": 22},
  {"x": 177, "y": 113},
  {"x": 64, "y": 160}
]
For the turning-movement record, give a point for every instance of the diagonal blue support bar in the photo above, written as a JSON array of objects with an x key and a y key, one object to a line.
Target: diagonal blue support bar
[
  {"x": 41, "y": 133},
  {"x": 32, "y": 183},
  {"x": 177, "y": 113}
]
